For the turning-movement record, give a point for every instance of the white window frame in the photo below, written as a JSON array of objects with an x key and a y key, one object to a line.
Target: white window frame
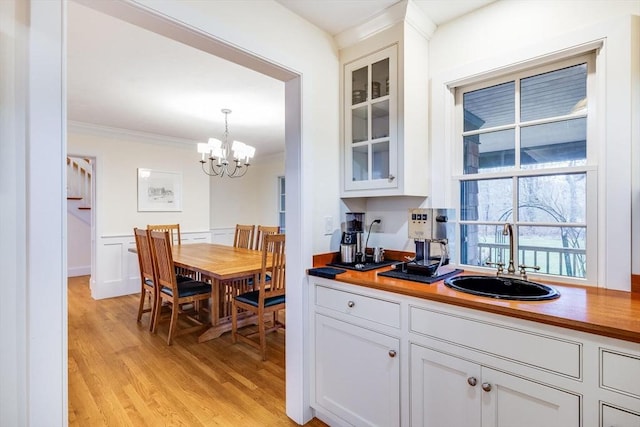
[{"x": 590, "y": 168}]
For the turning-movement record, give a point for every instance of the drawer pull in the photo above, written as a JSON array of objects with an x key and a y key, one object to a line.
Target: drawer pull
[
  {"x": 350, "y": 304},
  {"x": 472, "y": 381},
  {"x": 392, "y": 353},
  {"x": 486, "y": 387}
]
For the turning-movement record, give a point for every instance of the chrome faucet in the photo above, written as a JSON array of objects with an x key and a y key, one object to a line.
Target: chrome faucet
[
  {"x": 511, "y": 270},
  {"x": 508, "y": 231}
]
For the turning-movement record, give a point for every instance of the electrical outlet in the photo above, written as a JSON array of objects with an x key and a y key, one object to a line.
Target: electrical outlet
[{"x": 328, "y": 225}]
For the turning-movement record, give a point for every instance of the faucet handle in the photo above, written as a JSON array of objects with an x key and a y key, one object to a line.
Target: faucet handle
[
  {"x": 498, "y": 265},
  {"x": 523, "y": 269}
]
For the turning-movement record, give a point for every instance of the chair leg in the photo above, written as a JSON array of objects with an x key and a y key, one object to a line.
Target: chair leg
[
  {"x": 152, "y": 314},
  {"x": 143, "y": 295},
  {"x": 234, "y": 322},
  {"x": 174, "y": 322},
  {"x": 263, "y": 336},
  {"x": 156, "y": 313}
]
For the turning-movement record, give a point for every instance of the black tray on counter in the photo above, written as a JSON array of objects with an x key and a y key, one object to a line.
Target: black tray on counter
[{"x": 367, "y": 266}]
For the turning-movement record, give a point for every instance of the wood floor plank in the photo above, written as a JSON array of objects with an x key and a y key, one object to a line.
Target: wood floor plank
[{"x": 122, "y": 375}]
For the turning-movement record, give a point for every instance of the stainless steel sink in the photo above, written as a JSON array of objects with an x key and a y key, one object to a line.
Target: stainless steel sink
[{"x": 502, "y": 288}]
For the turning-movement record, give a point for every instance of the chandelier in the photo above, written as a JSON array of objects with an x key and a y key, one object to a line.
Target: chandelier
[{"x": 221, "y": 162}]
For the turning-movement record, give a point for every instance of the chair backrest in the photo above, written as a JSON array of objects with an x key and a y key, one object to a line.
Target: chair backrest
[
  {"x": 274, "y": 248},
  {"x": 164, "y": 268},
  {"x": 145, "y": 257},
  {"x": 262, "y": 231},
  {"x": 244, "y": 236},
  {"x": 173, "y": 229}
]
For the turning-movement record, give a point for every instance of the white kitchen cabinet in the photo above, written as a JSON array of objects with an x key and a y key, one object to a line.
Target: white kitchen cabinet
[
  {"x": 370, "y": 122},
  {"x": 446, "y": 390},
  {"x": 384, "y": 115},
  {"x": 620, "y": 375},
  {"x": 508, "y": 400},
  {"x": 355, "y": 357},
  {"x": 537, "y": 374},
  {"x": 615, "y": 417},
  {"x": 357, "y": 373}
]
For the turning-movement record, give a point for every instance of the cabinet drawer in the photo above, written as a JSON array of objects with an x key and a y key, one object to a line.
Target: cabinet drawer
[
  {"x": 531, "y": 348},
  {"x": 373, "y": 309},
  {"x": 614, "y": 417},
  {"x": 619, "y": 372}
]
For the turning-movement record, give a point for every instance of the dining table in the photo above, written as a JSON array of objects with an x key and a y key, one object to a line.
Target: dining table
[{"x": 231, "y": 271}]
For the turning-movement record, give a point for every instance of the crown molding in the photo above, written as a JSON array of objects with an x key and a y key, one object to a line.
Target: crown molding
[
  {"x": 405, "y": 11},
  {"x": 114, "y": 132},
  {"x": 419, "y": 20},
  {"x": 385, "y": 19}
]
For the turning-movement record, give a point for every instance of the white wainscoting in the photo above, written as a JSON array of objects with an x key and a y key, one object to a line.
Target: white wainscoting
[
  {"x": 223, "y": 235},
  {"x": 117, "y": 272}
]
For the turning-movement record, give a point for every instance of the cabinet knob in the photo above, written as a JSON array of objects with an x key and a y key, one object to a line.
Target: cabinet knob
[
  {"x": 486, "y": 387},
  {"x": 391, "y": 178},
  {"x": 472, "y": 381},
  {"x": 392, "y": 353},
  {"x": 350, "y": 304}
]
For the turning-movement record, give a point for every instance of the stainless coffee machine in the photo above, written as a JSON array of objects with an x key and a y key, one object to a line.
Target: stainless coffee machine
[
  {"x": 351, "y": 250},
  {"x": 430, "y": 229}
]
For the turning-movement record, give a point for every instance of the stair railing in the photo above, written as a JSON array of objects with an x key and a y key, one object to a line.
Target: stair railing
[{"x": 79, "y": 180}]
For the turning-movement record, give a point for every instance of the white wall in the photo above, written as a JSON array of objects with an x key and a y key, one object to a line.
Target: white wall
[
  {"x": 78, "y": 247},
  {"x": 252, "y": 199},
  {"x": 33, "y": 328},
  {"x": 13, "y": 304},
  {"x": 118, "y": 156},
  {"x": 508, "y": 34}
]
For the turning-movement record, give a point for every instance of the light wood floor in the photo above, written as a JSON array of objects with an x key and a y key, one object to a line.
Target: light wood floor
[{"x": 121, "y": 375}]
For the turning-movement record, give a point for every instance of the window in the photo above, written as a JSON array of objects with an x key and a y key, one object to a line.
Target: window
[
  {"x": 281, "y": 200},
  {"x": 524, "y": 160}
]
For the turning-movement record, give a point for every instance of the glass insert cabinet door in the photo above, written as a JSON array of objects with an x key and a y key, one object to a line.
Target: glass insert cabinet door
[{"x": 370, "y": 144}]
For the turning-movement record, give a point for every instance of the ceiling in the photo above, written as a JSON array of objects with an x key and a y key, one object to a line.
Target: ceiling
[{"x": 125, "y": 77}]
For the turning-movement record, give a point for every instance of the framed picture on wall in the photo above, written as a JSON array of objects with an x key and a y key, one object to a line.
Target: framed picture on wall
[{"x": 159, "y": 191}]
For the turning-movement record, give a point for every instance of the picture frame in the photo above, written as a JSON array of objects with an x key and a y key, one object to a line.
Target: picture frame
[{"x": 159, "y": 191}]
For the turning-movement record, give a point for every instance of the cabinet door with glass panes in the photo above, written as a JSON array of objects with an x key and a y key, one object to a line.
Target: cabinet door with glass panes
[{"x": 370, "y": 123}]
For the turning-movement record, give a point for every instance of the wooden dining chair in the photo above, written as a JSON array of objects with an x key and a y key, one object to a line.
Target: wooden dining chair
[
  {"x": 269, "y": 298},
  {"x": 243, "y": 237},
  {"x": 173, "y": 229},
  {"x": 147, "y": 275},
  {"x": 176, "y": 239},
  {"x": 262, "y": 231},
  {"x": 176, "y": 295}
]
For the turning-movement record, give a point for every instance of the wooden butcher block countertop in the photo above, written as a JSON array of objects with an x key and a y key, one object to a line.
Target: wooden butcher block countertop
[{"x": 609, "y": 313}]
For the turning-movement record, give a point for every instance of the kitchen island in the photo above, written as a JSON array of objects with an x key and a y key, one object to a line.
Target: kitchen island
[{"x": 394, "y": 352}]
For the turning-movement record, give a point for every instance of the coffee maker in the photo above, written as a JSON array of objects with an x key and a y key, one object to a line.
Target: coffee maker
[
  {"x": 429, "y": 228},
  {"x": 351, "y": 250}
]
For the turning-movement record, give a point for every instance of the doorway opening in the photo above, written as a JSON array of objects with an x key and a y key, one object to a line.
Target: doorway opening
[{"x": 139, "y": 16}]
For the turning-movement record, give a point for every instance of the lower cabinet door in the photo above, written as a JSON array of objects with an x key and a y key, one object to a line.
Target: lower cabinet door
[
  {"x": 509, "y": 401},
  {"x": 445, "y": 390},
  {"x": 614, "y": 417},
  {"x": 357, "y": 373}
]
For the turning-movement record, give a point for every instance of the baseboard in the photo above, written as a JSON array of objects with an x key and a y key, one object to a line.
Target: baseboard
[
  {"x": 79, "y": 271},
  {"x": 635, "y": 283}
]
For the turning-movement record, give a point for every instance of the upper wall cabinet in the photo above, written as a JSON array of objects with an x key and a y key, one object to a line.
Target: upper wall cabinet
[
  {"x": 370, "y": 125},
  {"x": 384, "y": 137}
]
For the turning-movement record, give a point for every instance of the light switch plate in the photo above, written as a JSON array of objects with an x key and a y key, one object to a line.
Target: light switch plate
[{"x": 328, "y": 225}]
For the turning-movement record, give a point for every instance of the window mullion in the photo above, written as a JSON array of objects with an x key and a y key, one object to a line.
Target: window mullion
[
  {"x": 515, "y": 214},
  {"x": 517, "y": 124}
]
